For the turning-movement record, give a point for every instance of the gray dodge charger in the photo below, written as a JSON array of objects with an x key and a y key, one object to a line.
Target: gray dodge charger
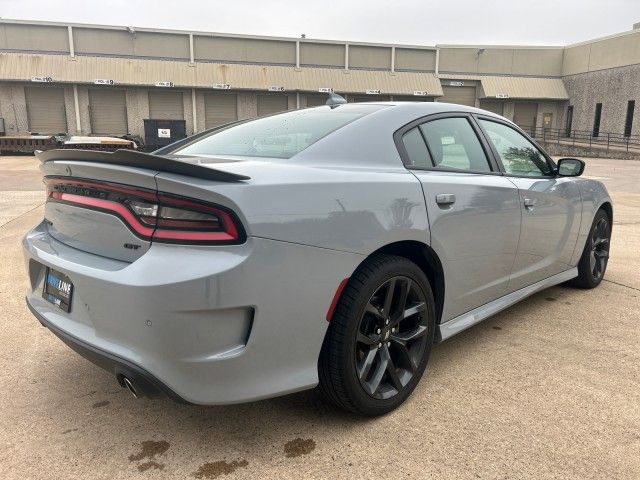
[{"x": 329, "y": 246}]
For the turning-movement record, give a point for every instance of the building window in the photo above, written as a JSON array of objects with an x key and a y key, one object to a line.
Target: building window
[
  {"x": 569, "y": 124},
  {"x": 596, "y": 120},
  {"x": 628, "y": 124}
]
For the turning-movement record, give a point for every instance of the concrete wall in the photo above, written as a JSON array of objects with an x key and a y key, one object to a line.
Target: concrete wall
[
  {"x": 83, "y": 103},
  {"x": 91, "y": 41},
  {"x": 37, "y": 38},
  {"x": 208, "y": 48},
  {"x": 70, "y": 110},
  {"x": 137, "y": 110},
  {"x": 200, "y": 112},
  {"x": 567, "y": 150},
  {"x": 247, "y": 105},
  {"x": 541, "y": 62},
  {"x": 322, "y": 54},
  {"x": 366, "y": 57},
  {"x": 414, "y": 59},
  {"x": 613, "y": 88},
  {"x": 611, "y": 52},
  {"x": 13, "y": 108},
  {"x": 188, "y": 111}
]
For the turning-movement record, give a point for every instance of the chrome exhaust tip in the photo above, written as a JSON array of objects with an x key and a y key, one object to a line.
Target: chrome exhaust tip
[{"x": 129, "y": 386}]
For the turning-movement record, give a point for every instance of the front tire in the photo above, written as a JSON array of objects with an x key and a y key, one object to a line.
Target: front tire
[
  {"x": 380, "y": 337},
  {"x": 595, "y": 256}
]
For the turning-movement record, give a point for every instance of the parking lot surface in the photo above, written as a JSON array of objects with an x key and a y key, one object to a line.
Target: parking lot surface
[{"x": 549, "y": 388}]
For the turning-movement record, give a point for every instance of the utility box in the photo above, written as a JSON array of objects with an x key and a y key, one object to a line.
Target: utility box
[{"x": 159, "y": 133}]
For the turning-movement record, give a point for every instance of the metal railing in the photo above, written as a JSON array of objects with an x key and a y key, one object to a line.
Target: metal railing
[{"x": 585, "y": 138}]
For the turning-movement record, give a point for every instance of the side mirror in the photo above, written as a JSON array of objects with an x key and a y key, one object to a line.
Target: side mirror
[{"x": 570, "y": 167}]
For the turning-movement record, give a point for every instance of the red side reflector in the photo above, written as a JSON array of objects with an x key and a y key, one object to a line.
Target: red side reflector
[{"x": 336, "y": 298}]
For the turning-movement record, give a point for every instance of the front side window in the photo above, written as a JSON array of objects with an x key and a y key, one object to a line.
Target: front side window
[
  {"x": 519, "y": 156},
  {"x": 454, "y": 145},
  {"x": 277, "y": 136}
]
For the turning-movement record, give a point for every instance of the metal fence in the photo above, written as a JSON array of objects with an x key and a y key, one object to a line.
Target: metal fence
[{"x": 585, "y": 138}]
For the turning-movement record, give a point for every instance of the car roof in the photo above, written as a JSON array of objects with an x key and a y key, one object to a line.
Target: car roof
[
  {"x": 428, "y": 107},
  {"x": 403, "y": 112},
  {"x": 368, "y": 141}
]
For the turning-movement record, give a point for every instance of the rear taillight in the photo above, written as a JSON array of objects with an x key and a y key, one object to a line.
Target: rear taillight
[{"x": 151, "y": 215}]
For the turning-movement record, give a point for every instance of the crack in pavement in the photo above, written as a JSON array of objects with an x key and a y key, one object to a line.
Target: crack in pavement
[
  {"x": 621, "y": 284},
  {"x": 22, "y": 214}
]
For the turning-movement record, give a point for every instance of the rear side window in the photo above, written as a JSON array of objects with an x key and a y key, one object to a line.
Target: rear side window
[
  {"x": 278, "y": 136},
  {"x": 454, "y": 144},
  {"x": 417, "y": 152}
]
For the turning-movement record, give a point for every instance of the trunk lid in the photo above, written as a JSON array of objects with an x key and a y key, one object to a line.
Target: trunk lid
[
  {"x": 98, "y": 177},
  {"x": 90, "y": 230}
]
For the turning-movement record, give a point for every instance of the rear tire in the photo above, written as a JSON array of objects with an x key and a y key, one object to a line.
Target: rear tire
[
  {"x": 595, "y": 256},
  {"x": 380, "y": 337}
]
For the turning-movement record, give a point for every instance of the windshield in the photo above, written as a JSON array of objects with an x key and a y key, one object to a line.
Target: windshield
[{"x": 277, "y": 136}]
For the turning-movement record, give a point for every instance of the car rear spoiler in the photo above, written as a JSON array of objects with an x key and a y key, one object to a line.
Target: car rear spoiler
[{"x": 148, "y": 161}]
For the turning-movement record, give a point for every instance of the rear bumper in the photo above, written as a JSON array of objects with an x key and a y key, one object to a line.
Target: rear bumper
[
  {"x": 204, "y": 325},
  {"x": 146, "y": 385}
]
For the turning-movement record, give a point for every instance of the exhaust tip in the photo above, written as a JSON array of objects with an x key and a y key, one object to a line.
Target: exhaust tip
[{"x": 129, "y": 386}]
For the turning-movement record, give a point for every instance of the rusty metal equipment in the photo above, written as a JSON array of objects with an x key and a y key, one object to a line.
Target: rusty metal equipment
[
  {"x": 28, "y": 143},
  {"x": 31, "y": 143}
]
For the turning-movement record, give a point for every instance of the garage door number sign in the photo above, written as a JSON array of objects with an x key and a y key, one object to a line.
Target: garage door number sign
[
  {"x": 164, "y": 84},
  {"x": 42, "y": 79},
  {"x": 104, "y": 81}
]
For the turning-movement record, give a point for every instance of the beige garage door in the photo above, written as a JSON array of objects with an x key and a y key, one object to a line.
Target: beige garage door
[
  {"x": 494, "y": 106},
  {"x": 411, "y": 98},
  {"x": 108, "y": 112},
  {"x": 368, "y": 98},
  {"x": 524, "y": 115},
  {"x": 316, "y": 100},
  {"x": 166, "y": 105},
  {"x": 268, "y": 104},
  {"x": 459, "y": 95},
  {"x": 45, "y": 109},
  {"x": 220, "y": 108}
]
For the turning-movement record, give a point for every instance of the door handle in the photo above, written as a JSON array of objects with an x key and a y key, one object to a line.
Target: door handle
[
  {"x": 445, "y": 199},
  {"x": 529, "y": 203}
]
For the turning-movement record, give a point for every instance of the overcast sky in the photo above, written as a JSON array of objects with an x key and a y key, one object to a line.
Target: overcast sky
[{"x": 422, "y": 22}]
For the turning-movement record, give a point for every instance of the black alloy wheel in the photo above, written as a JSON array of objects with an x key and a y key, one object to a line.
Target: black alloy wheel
[
  {"x": 600, "y": 237},
  {"x": 392, "y": 337},
  {"x": 380, "y": 336},
  {"x": 595, "y": 256}
]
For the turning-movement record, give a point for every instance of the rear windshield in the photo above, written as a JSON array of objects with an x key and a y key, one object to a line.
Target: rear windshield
[{"x": 278, "y": 136}]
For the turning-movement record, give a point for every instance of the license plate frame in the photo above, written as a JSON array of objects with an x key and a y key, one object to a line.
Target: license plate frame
[{"x": 58, "y": 289}]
